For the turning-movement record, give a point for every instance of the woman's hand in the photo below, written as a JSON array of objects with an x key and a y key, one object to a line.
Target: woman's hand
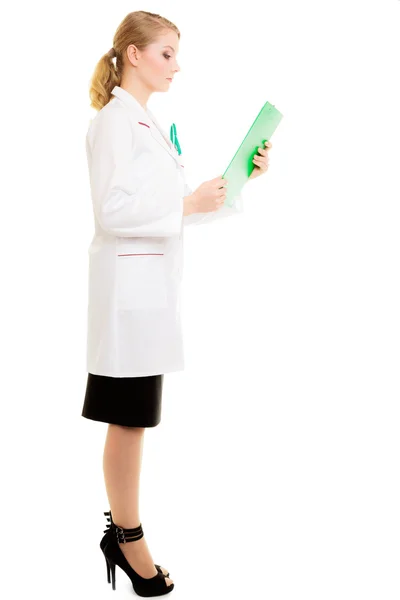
[
  {"x": 210, "y": 195},
  {"x": 261, "y": 162}
]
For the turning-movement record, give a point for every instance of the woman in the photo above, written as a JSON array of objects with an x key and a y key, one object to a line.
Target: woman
[{"x": 140, "y": 204}]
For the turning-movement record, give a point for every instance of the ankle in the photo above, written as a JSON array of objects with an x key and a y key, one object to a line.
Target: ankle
[{"x": 126, "y": 522}]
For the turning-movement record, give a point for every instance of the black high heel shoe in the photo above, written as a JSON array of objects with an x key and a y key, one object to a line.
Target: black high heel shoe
[
  {"x": 106, "y": 538},
  {"x": 148, "y": 587}
]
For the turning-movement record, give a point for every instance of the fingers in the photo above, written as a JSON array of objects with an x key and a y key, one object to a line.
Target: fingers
[
  {"x": 221, "y": 196},
  {"x": 264, "y": 151},
  {"x": 221, "y": 183}
]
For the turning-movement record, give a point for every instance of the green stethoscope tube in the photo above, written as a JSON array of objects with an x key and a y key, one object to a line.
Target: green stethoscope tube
[{"x": 174, "y": 138}]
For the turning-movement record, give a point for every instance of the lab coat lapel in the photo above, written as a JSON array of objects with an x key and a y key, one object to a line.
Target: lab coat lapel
[{"x": 148, "y": 119}]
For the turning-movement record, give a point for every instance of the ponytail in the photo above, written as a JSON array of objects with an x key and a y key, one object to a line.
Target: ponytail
[{"x": 105, "y": 77}]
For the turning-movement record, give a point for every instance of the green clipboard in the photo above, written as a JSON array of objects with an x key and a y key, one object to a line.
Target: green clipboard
[{"x": 239, "y": 169}]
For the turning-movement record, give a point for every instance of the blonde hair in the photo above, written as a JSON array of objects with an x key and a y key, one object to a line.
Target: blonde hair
[{"x": 140, "y": 28}]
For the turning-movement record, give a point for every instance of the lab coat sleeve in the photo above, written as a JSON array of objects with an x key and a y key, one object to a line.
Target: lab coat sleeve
[
  {"x": 224, "y": 211},
  {"x": 128, "y": 199}
]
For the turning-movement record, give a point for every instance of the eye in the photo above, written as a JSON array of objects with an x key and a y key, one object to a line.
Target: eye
[{"x": 167, "y": 55}]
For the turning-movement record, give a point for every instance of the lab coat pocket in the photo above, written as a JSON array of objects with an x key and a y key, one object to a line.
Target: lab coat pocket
[{"x": 141, "y": 281}]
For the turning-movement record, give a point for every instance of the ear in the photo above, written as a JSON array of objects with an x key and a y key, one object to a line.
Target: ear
[{"x": 133, "y": 54}]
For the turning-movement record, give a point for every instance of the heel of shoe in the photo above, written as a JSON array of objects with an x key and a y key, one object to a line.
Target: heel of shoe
[
  {"x": 108, "y": 571},
  {"x": 110, "y": 567}
]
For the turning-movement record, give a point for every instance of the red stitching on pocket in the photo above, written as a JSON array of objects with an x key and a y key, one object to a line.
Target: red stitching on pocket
[{"x": 145, "y": 124}]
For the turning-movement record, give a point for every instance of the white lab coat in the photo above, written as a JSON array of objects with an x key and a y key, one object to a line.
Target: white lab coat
[{"x": 137, "y": 185}]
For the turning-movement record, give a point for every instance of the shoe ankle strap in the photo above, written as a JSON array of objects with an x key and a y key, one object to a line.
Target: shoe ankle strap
[
  {"x": 122, "y": 534},
  {"x": 127, "y": 535}
]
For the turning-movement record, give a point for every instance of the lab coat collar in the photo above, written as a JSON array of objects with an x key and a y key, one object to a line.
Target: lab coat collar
[
  {"x": 146, "y": 117},
  {"x": 128, "y": 99}
]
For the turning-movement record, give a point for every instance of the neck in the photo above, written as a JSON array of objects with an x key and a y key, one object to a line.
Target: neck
[{"x": 138, "y": 91}]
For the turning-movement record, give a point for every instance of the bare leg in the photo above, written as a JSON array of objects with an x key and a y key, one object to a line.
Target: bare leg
[{"x": 122, "y": 460}]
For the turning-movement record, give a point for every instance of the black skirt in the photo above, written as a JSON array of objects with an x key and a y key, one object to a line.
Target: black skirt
[{"x": 128, "y": 401}]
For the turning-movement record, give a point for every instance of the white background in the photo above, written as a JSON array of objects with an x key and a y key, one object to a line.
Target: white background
[{"x": 274, "y": 472}]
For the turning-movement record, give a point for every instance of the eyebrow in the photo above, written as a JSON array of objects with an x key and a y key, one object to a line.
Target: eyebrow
[{"x": 173, "y": 49}]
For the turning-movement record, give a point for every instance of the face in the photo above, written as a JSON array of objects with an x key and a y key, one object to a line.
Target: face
[{"x": 157, "y": 64}]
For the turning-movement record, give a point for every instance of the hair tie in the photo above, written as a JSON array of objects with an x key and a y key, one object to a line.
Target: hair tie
[{"x": 111, "y": 53}]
